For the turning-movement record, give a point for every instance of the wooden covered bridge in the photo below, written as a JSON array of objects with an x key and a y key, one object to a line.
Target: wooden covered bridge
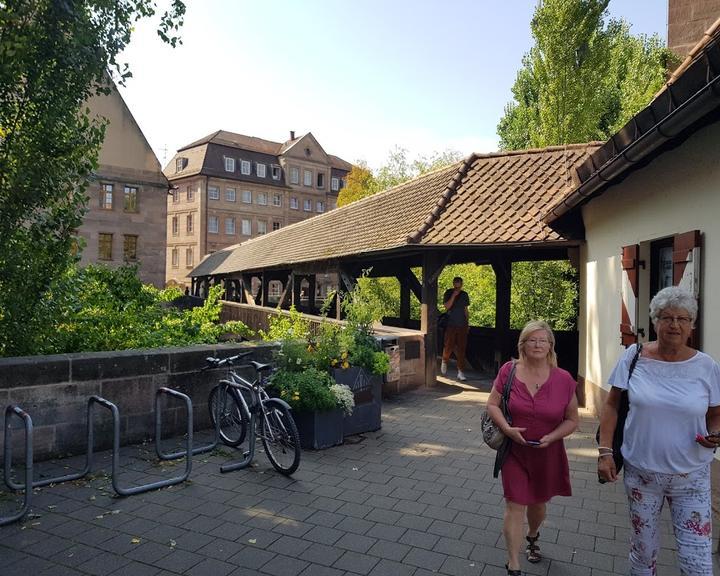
[{"x": 486, "y": 209}]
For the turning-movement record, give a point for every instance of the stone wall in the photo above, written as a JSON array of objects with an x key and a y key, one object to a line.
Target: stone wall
[
  {"x": 687, "y": 22},
  {"x": 54, "y": 391}
]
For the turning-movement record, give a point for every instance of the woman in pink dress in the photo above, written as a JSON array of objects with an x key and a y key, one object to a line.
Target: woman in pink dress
[{"x": 543, "y": 410}]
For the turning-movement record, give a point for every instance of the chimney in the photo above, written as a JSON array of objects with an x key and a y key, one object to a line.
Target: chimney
[{"x": 292, "y": 134}]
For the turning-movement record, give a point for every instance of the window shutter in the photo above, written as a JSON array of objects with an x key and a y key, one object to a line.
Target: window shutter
[
  {"x": 686, "y": 269},
  {"x": 629, "y": 317}
]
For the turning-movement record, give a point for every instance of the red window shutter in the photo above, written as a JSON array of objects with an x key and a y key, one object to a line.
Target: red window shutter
[
  {"x": 629, "y": 318},
  {"x": 686, "y": 269}
]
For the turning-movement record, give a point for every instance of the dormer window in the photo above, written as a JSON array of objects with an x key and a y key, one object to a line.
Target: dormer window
[
  {"x": 180, "y": 164},
  {"x": 260, "y": 170},
  {"x": 275, "y": 172},
  {"x": 245, "y": 167},
  {"x": 229, "y": 164},
  {"x": 335, "y": 184}
]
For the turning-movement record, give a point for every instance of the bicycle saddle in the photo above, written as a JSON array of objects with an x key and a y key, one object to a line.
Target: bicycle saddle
[{"x": 260, "y": 367}]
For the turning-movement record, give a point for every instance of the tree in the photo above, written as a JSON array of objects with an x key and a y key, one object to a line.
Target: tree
[
  {"x": 362, "y": 181},
  {"x": 54, "y": 55},
  {"x": 582, "y": 80}
]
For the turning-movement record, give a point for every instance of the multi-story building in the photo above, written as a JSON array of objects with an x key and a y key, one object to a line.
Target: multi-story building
[
  {"x": 127, "y": 200},
  {"x": 228, "y": 188}
]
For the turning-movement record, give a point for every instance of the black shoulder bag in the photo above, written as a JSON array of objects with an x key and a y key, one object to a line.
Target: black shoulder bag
[
  {"x": 622, "y": 416},
  {"x": 504, "y": 449}
]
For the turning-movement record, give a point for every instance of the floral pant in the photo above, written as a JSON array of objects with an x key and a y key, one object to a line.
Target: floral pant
[{"x": 690, "y": 508}]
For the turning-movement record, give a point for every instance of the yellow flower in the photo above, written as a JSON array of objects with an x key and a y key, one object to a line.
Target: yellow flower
[
  {"x": 344, "y": 355},
  {"x": 346, "y": 364},
  {"x": 334, "y": 362},
  {"x": 310, "y": 348}
]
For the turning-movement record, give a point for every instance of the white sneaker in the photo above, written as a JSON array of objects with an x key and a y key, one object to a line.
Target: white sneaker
[
  {"x": 461, "y": 376},
  {"x": 443, "y": 368}
]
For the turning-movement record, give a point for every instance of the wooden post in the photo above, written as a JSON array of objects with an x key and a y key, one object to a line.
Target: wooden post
[
  {"x": 311, "y": 293},
  {"x": 264, "y": 288},
  {"x": 296, "y": 288},
  {"x": 503, "y": 281},
  {"x": 431, "y": 269},
  {"x": 286, "y": 296},
  {"x": 404, "y": 302}
]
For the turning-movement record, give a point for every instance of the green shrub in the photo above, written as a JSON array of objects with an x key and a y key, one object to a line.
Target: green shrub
[{"x": 305, "y": 391}]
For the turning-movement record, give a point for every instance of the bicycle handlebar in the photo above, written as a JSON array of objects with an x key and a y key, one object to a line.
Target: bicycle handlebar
[{"x": 217, "y": 362}]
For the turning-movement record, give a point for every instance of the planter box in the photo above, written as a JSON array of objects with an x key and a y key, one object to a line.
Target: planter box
[
  {"x": 319, "y": 430},
  {"x": 367, "y": 389}
]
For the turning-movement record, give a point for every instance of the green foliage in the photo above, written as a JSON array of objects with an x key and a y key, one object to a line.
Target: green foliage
[
  {"x": 582, "y": 80},
  {"x": 98, "y": 308},
  {"x": 305, "y": 391},
  {"x": 54, "y": 56},
  {"x": 292, "y": 326},
  {"x": 362, "y": 181},
  {"x": 544, "y": 291}
]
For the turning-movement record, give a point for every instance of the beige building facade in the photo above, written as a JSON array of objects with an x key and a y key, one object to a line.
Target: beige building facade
[
  {"x": 228, "y": 188},
  {"x": 127, "y": 200}
]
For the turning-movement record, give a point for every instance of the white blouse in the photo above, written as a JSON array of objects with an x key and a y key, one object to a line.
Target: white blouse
[{"x": 668, "y": 404}]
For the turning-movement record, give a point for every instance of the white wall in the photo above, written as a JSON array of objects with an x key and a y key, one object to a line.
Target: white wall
[{"x": 677, "y": 192}]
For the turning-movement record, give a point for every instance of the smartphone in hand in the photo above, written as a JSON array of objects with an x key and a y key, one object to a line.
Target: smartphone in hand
[{"x": 533, "y": 442}]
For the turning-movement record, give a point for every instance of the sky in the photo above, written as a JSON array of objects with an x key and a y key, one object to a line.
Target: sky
[{"x": 362, "y": 76}]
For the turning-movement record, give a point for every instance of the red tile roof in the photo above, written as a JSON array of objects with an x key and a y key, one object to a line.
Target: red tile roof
[{"x": 485, "y": 200}]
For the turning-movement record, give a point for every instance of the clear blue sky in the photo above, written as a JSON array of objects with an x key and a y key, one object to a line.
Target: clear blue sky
[{"x": 363, "y": 76}]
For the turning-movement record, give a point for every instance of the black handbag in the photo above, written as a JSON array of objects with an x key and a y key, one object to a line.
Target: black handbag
[
  {"x": 504, "y": 449},
  {"x": 623, "y": 409}
]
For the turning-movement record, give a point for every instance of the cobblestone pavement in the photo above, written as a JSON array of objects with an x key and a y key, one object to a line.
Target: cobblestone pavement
[{"x": 415, "y": 498}]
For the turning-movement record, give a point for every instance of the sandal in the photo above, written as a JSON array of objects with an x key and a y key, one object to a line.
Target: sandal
[
  {"x": 512, "y": 572},
  {"x": 533, "y": 550}
]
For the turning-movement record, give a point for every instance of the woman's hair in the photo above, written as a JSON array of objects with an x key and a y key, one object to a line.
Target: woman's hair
[
  {"x": 531, "y": 327},
  {"x": 673, "y": 297}
]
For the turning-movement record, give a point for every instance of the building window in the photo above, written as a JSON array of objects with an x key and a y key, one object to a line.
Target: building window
[
  {"x": 277, "y": 200},
  {"x": 307, "y": 205},
  {"x": 321, "y": 180},
  {"x": 131, "y": 199},
  {"x": 293, "y": 203},
  {"x": 175, "y": 195},
  {"x": 335, "y": 184},
  {"x": 189, "y": 223},
  {"x": 260, "y": 170},
  {"x": 106, "y": 197},
  {"x": 307, "y": 177},
  {"x": 229, "y": 164},
  {"x": 247, "y": 196},
  {"x": 294, "y": 175},
  {"x": 230, "y": 194},
  {"x": 213, "y": 224},
  {"x": 188, "y": 257},
  {"x": 276, "y": 226},
  {"x": 230, "y": 226},
  {"x": 174, "y": 226},
  {"x": 262, "y": 199},
  {"x": 262, "y": 227},
  {"x": 246, "y": 227},
  {"x": 105, "y": 246},
  {"x": 275, "y": 172},
  {"x": 213, "y": 193},
  {"x": 190, "y": 194},
  {"x": 245, "y": 167},
  {"x": 130, "y": 247},
  {"x": 319, "y": 206},
  {"x": 175, "y": 258},
  {"x": 180, "y": 164}
]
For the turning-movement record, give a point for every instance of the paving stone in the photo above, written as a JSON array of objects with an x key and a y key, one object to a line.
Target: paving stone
[
  {"x": 252, "y": 558},
  {"x": 389, "y": 550},
  {"x": 284, "y": 566},
  {"x": 179, "y": 560},
  {"x": 424, "y": 559},
  {"x": 357, "y": 563}
]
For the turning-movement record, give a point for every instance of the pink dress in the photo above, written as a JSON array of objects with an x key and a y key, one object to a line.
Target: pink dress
[{"x": 534, "y": 475}]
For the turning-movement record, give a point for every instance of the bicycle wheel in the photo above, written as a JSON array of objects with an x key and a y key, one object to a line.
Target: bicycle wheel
[
  {"x": 280, "y": 439},
  {"x": 233, "y": 421}
]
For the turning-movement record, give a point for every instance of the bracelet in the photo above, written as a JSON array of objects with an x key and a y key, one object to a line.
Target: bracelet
[
  {"x": 605, "y": 454},
  {"x": 605, "y": 448}
]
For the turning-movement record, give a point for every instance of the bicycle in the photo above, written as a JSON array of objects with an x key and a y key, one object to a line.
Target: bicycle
[{"x": 243, "y": 408}]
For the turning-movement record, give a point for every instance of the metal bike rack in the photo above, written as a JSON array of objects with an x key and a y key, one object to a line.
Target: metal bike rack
[
  {"x": 57, "y": 479},
  {"x": 250, "y": 454},
  {"x": 20, "y": 413},
  {"x": 180, "y": 453},
  {"x": 116, "y": 445}
]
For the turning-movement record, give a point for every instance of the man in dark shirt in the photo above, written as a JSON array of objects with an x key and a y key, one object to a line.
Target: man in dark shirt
[{"x": 456, "y": 302}]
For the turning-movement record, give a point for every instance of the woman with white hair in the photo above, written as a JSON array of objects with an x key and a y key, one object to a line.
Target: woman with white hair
[
  {"x": 543, "y": 410},
  {"x": 670, "y": 434}
]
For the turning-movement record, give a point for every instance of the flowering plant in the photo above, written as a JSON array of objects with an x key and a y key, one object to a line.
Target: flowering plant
[{"x": 344, "y": 396}]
